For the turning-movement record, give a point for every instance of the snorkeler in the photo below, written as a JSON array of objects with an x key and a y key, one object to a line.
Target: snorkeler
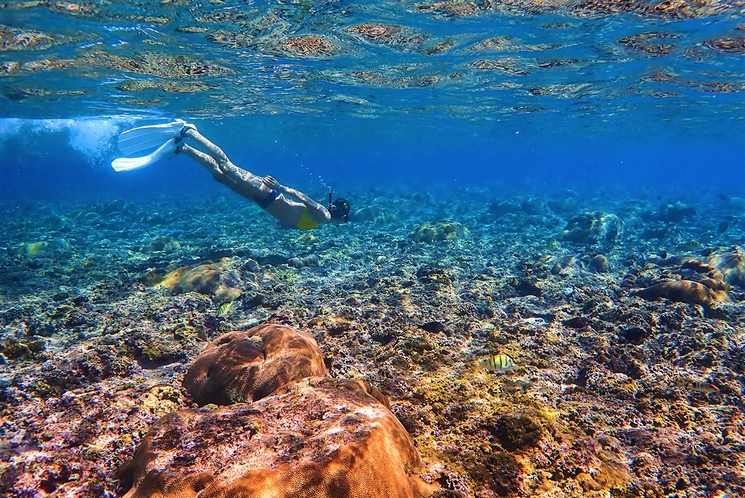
[{"x": 286, "y": 204}]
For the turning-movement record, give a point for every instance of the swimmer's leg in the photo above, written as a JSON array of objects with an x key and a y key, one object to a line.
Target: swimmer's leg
[
  {"x": 213, "y": 150},
  {"x": 248, "y": 189},
  {"x": 203, "y": 159},
  {"x": 244, "y": 182}
]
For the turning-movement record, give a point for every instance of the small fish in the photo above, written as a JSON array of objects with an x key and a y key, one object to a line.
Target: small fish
[
  {"x": 433, "y": 327},
  {"x": 698, "y": 386},
  {"x": 225, "y": 308},
  {"x": 691, "y": 245},
  {"x": 498, "y": 363}
]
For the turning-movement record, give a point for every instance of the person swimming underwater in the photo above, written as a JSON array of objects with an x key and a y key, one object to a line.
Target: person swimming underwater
[{"x": 286, "y": 204}]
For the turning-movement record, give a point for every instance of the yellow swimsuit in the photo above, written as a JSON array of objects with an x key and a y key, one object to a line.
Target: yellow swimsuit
[{"x": 305, "y": 222}]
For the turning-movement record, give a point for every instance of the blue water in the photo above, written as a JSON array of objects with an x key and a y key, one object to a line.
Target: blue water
[{"x": 520, "y": 95}]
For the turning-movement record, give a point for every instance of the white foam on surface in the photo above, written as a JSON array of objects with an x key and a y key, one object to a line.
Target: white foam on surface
[{"x": 93, "y": 137}]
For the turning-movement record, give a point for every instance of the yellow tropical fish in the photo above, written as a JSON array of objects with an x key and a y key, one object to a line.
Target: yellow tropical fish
[
  {"x": 691, "y": 245},
  {"x": 499, "y": 363},
  {"x": 225, "y": 308}
]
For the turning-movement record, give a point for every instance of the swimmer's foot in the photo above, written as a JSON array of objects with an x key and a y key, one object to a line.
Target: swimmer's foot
[
  {"x": 167, "y": 149},
  {"x": 137, "y": 142},
  {"x": 144, "y": 139}
]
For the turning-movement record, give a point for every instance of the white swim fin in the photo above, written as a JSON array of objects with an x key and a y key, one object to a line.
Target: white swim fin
[
  {"x": 145, "y": 138},
  {"x": 168, "y": 149}
]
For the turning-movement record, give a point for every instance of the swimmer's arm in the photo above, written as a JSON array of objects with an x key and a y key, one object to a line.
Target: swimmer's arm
[{"x": 316, "y": 211}]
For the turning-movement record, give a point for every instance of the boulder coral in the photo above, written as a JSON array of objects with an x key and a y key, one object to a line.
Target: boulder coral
[
  {"x": 304, "y": 261},
  {"x": 316, "y": 439},
  {"x": 161, "y": 244},
  {"x": 732, "y": 265},
  {"x": 208, "y": 279},
  {"x": 676, "y": 212},
  {"x": 446, "y": 230},
  {"x": 205, "y": 279},
  {"x": 593, "y": 228},
  {"x": 685, "y": 291},
  {"x": 374, "y": 214},
  {"x": 250, "y": 365},
  {"x": 31, "y": 249}
]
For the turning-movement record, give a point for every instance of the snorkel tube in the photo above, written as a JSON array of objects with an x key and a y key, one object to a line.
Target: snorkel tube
[{"x": 338, "y": 208}]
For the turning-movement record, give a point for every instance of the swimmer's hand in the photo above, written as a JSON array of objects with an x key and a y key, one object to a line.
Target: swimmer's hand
[{"x": 272, "y": 183}]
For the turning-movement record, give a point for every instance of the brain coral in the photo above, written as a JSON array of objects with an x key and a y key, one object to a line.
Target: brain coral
[
  {"x": 249, "y": 365},
  {"x": 312, "y": 439}
]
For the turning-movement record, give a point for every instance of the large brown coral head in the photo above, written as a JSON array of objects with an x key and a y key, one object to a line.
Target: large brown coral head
[
  {"x": 249, "y": 365},
  {"x": 313, "y": 439}
]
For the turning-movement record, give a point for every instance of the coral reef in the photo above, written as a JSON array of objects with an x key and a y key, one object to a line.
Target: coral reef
[
  {"x": 697, "y": 282},
  {"x": 609, "y": 393},
  {"x": 623, "y": 312}
]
